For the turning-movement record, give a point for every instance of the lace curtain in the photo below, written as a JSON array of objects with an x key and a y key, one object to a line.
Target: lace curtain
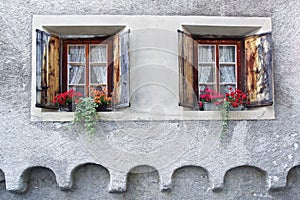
[
  {"x": 98, "y": 60},
  {"x": 206, "y": 74},
  {"x": 206, "y": 54},
  {"x": 227, "y": 74},
  {"x": 227, "y": 71},
  {"x": 227, "y": 66},
  {"x": 227, "y": 54},
  {"x": 76, "y": 60}
]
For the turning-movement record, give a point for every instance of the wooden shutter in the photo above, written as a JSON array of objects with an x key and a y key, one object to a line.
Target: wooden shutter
[
  {"x": 120, "y": 94},
  {"x": 187, "y": 72},
  {"x": 259, "y": 80},
  {"x": 47, "y": 68}
]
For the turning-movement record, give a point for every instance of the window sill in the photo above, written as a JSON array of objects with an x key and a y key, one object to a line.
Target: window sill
[
  {"x": 263, "y": 113},
  {"x": 250, "y": 114}
]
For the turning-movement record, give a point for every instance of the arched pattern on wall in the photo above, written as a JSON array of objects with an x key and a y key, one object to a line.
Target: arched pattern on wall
[
  {"x": 293, "y": 177},
  {"x": 245, "y": 180},
  {"x": 144, "y": 178},
  {"x": 90, "y": 176},
  {"x": 190, "y": 178}
]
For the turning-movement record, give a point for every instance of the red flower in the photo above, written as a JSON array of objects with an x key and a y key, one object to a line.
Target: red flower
[
  {"x": 234, "y": 104},
  {"x": 210, "y": 95},
  {"x": 236, "y": 97},
  {"x": 66, "y": 97}
]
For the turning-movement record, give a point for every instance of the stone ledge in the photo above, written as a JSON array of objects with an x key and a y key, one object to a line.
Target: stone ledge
[{"x": 263, "y": 113}]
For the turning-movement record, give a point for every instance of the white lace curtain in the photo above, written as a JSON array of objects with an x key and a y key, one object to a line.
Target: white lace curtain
[
  {"x": 227, "y": 55},
  {"x": 76, "y": 60},
  {"x": 227, "y": 73},
  {"x": 206, "y": 54},
  {"x": 97, "y": 59}
]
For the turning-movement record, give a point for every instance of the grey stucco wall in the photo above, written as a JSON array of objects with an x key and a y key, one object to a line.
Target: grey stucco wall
[{"x": 263, "y": 154}]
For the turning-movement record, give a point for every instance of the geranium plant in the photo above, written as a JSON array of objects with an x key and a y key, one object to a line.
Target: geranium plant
[
  {"x": 66, "y": 98},
  {"x": 209, "y": 95},
  {"x": 101, "y": 97},
  {"x": 236, "y": 97}
]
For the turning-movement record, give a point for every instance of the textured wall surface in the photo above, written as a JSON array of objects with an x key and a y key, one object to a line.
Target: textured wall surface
[{"x": 257, "y": 160}]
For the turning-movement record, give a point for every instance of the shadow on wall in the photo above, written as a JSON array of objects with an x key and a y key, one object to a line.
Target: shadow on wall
[{"x": 91, "y": 182}]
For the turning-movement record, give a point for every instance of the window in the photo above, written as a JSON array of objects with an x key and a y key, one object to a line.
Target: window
[
  {"x": 86, "y": 65},
  {"x": 244, "y": 63},
  {"x": 82, "y": 64},
  {"x": 218, "y": 64}
]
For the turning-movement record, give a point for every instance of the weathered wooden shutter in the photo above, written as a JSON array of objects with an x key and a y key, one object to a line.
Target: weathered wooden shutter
[
  {"x": 259, "y": 80},
  {"x": 120, "y": 94},
  {"x": 47, "y": 69},
  {"x": 187, "y": 94}
]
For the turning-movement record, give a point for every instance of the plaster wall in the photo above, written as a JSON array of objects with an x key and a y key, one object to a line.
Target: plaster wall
[{"x": 255, "y": 160}]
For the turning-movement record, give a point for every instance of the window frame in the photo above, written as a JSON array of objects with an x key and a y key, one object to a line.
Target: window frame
[
  {"x": 240, "y": 68},
  {"x": 87, "y": 42}
]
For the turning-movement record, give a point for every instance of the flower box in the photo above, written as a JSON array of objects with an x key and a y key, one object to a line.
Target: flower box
[
  {"x": 210, "y": 106},
  {"x": 102, "y": 108}
]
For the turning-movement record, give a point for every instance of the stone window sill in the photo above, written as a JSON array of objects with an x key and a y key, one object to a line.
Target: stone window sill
[{"x": 263, "y": 113}]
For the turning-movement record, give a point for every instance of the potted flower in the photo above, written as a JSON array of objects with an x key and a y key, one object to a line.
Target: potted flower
[
  {"x": 209, "y": 99},
  {"x": 102, "y": 99},
  {"x": 234, "y": 100},
  {"x": 64, "y": 100}
]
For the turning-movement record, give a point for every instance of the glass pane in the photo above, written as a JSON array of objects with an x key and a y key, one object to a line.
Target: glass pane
[
  {"x": 227, "y": 74},
  {"x": 76, "y": 74},
  {"x": 206, "y": 53},
  {"x": 78, "y": 89},
  {"x": 227, "y": 53},
  {"x": 98, "y": 74},
  {"x": 201, "y": 88},
  {"x": 225, "y": 88},
  {"x": 206, "y": 73},
  {"x": 76, "y": 53},
  {"x": 98, "y": 53}
]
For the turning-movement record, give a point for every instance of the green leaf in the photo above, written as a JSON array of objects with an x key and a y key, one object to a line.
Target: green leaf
[{"x": 86, "y": 113}]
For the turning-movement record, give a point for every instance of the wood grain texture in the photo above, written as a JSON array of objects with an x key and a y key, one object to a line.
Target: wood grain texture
[
  {"x": 258, "y": 57},
  {"x": 186, "y": 71},
  {"x": 116, "y": 70},
  {"x": 53, "y": 68},
  {"x": 124, "y": 71}
]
